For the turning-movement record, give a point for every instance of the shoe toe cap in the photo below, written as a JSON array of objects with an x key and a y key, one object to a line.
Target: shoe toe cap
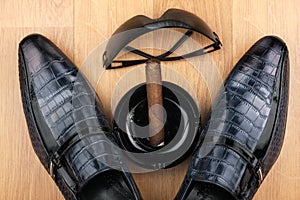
[
  {"x": 36, "y": 51},
  {"x": 270, "y": 49}
]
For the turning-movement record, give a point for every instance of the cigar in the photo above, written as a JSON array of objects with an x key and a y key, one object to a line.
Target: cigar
[{"x": 155, "y": 102}]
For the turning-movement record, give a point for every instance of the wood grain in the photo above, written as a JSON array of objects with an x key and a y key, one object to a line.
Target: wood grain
[{"x": 78, "y": 27}]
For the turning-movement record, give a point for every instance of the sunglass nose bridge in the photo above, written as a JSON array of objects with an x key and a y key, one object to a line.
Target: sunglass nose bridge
[{"x": 161, "y": 57}]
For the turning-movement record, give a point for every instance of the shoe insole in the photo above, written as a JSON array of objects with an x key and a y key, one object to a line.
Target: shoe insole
[
  {"x": 110, "y": 185},
  {"x": 208, "y": 191}
]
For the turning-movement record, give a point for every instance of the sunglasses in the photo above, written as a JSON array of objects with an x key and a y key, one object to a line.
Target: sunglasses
[{"x": 139, "y": 25}]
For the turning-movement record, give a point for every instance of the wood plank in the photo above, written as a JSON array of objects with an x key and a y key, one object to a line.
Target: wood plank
[
  {"x": 22, "y": 175},
  {"x": 251, "y": 21},
  {"x": 27, "y": 13}
]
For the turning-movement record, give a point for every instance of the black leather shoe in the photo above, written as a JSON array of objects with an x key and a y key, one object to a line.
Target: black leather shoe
[
  {"x": 244, "y": 135},
  {"x": 68, "y": 130}
]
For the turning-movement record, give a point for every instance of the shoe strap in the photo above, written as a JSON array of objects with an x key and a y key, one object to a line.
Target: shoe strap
[
  {"x": 58, "y": 167},
  {"x": 252, "y": 177}
]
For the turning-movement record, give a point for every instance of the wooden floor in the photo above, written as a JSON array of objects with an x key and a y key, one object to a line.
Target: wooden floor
[{"x": 77, "y": 27}]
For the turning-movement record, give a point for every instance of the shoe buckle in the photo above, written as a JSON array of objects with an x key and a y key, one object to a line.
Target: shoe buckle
[
  {"x": 260, "y": 175},
  {"x": 51, "y": 170}
]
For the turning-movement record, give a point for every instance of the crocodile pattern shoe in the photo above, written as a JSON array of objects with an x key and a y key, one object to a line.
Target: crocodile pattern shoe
[
  {"x": 245, "y": 132},
  {"x": 68, "y": 131}
]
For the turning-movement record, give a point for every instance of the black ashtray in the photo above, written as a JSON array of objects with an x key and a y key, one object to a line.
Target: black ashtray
[{"x": 181, "y": 127}]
